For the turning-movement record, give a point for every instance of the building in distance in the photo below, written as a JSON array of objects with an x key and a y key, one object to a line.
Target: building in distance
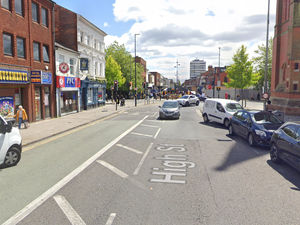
[{"x": 197, "y": 67}]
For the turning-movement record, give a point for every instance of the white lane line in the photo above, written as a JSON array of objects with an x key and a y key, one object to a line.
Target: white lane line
[
  {"x": 111, "y": 219},
  {"x": 113, "y": 169},
  {"x": 155, "y": 136},
  {"x": 142, "y": 160},
  {"x": 68, "y": 210},
  {"x": 146, "y": 125},
  {"x": 50, "y": 192},
  {"x": 139, "y": 134},
  {"x": 129, "y": 149},
  {"x": 154, "y": 114}
]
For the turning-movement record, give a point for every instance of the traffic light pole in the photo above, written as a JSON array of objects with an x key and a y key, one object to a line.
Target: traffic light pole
[{"x": 135, "y": 89}]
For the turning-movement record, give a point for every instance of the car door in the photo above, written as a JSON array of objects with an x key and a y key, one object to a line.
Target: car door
[
  {"x": 286, "y": 141},
  {"x": 219, "y": 113},
  {"x": 245, "y": 124},
  {"x": 235, "y": 122},
  {"x": 3, "y": 141}
]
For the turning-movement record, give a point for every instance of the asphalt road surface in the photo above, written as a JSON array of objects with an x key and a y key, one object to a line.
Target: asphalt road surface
[{"x": 135, "y": 169}]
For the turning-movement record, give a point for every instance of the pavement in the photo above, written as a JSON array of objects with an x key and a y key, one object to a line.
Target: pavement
[{"x": 41, "y": 130}]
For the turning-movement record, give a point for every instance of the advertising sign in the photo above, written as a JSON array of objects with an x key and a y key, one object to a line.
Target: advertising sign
[
  {"x": 67, "y": 82},
  {"x": 36, "y": 77},
  {"x": 13, "y": 76},
  {"x": 84, "y": 64},
  {"x": 46, "y": 78},
  {"x": 40, "y": 77},
  {"x": 7, "y": 106},
  {"x": 64, "y": 67}
]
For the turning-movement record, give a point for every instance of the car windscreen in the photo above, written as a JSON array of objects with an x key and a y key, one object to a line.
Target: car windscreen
[
  {"x": 185, "y": 97},
  {"x": 233, "y": 107},
  {"x": 170, "y": 105},
  {"x": 265, "y": 118}
]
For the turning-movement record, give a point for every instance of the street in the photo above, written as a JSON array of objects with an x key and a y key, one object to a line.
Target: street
[{"x": 133, "y": 168}]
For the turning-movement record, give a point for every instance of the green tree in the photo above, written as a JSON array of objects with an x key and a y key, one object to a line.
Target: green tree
[
  {"x": 113, "y": 72},
  {"x": 260, "y": 63},
  {"x": 240, "y": 73}
]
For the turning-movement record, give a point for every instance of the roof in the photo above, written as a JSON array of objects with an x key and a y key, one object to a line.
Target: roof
[
  {"x": 221, "y": 100},
  {"x": 91, "y": 24}
]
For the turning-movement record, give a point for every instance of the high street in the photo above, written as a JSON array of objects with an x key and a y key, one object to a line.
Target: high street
[{"x": 132, "y": 168}]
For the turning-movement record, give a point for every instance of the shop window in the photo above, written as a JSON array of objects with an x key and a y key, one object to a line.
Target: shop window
[
  {"x": 36, "y": 51},
  {"x": 72, "y": 64},
  {"x": 7, "y": 44},
  {"x": 21, "y": 47},
  {"x": 45, "y": 17},
  {"x": 46, "y": 53},
  {"x": 6, "y": 4},
  {"x": 19, "y": 7},
  {"x": 35, "y": 12}
]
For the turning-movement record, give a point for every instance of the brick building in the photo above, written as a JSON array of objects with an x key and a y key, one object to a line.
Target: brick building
[
  {"x": 144, "y": 65},
  {"x": 26, "y": 58}
]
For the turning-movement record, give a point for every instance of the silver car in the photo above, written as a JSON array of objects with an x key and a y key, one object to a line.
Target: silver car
[
  {"x": 170, "y": 109},
  {"x": 187, "y": 100}
]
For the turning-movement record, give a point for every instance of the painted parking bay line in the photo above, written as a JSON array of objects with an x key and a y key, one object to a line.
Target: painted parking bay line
[
  {"x": 50, "y": 192},
  {"x": 111, "y": 219},
  {"x": 129, "y": 149},
  {"x": 146, "y": 125},
  {"x": 142, "y": 160},
  {"x": 112, "y": 168},
  {"x": 155, "y": 136},
  {"x": 140, "y": 134}
]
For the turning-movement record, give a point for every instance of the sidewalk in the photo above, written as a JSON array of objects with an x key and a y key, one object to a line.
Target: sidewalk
[{"x": 47, "y": 128}]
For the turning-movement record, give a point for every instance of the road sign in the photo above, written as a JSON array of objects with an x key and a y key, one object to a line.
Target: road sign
[
  {"x": 265, "y": 96},
  {"x": 135, "y": 89}
]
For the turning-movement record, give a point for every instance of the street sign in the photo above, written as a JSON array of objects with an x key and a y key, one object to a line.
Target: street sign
[
  {"x": 265, "y": 96},
  {"x": 135, "y": 89}
]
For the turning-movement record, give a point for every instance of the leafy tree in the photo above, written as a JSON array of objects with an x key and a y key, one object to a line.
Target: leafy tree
[
  {"x": 113, "y": 72},
  {"x": 240, "y": 73},
  {"x": 259, "y": 63}
]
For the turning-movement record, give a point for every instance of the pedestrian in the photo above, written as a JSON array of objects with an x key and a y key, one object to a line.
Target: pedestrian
[{"x": 21, "y": 116}]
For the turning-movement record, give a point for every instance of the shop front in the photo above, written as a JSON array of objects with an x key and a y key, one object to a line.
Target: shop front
[{"x": 67, "y": 95}]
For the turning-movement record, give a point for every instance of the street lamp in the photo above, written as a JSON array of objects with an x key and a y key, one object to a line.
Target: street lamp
[
  {"x": 267, "y": 52},
  {"x": 135, "y": 102}
]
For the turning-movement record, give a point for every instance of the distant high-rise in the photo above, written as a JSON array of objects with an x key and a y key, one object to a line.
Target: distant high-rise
[{"x": 197, "y": 67}]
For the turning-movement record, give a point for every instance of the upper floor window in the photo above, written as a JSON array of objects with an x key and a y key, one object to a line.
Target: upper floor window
[
  {"x": 21, "y": 47},
  {"x": 19, "y": 7},
  {"x": 72, "y": 65},
  {"x": 6, "y": 4},
  {"x": 46, "y": 53},
  {"x": 296, "y": 66},
  {"x": 88, "y": 40},
  {"x": 36, "y": 51},
  {"x": 8, "y": 44},
  {"x": 81, "y": 37},
  {"x": 61, "y": 58},
  {"x": 35, "y": 12},
  {"x": 95, "y": 44},
  {"x": 45, "y": 17}
]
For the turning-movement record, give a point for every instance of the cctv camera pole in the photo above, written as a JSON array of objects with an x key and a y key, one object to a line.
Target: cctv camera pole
[{"x": 267, "y": 52}]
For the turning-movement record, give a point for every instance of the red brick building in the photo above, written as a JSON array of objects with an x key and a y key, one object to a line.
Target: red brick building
[
  {"x": 144, "y": 65},
  {"x": 285, "y": 92},
  {"x": 26, "y": 58}
]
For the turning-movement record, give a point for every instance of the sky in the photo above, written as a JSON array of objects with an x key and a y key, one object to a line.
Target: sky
[{"x": 183, "y": 30}]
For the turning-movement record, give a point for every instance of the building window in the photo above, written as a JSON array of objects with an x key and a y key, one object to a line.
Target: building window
[
  {"x": 88, "y": 40},
  {"x": 95, "y": 44},
  {"x": 7, "y": 44},
  {"x": 296, "y": 67},
  {"x": 72, "y": 64},
  {"x": 295, "y": 87},
  {"x": 21, "y": 47},
  {"x": 35, "y": 12},
  {"x": 6, "y": 4},
  {"x": 61, "y": 58},
  {"x": 46, "y": 53},
  {"x": 81, "y": 37},
  {"x": 36, "y": 51},
  {"x": 96, "y": 68},
  {"x": 45, "y": 17},
  {"x": 19, "y": 7}
]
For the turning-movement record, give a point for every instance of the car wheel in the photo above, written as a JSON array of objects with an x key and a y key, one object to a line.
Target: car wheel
[
  {"x": 187, "y": 104},
  {"x": 274, "y": 154},
  {"x": 251, "y": 141},
  {"x": 226, "y": 123},
  {"x": 205, "y": 118},
  {"x": 12, "y": 157},
  {"x": 197, "y": 103},
  {"x": 230, "y": 130}
]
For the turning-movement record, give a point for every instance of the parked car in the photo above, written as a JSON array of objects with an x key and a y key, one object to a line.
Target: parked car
[
  {"x": 219, "y": 110},
  {"x": 187, "y": 100},
  {"x": 255, "y": 126},
  {"x": 285, "y": 144},
  {"x": 201, "y": 98},
  {"x": 169, "y": 109},
  {"x": 10, "y": 144}
]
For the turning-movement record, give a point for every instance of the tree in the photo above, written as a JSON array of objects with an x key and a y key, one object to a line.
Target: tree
[
  {"x": 240, "y": 73},
  {"x": 259, "y": 63},
  {"x": 113, "y": 72}
]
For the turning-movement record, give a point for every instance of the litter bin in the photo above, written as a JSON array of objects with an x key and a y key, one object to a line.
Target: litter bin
[{"x": 279, "y": 115}]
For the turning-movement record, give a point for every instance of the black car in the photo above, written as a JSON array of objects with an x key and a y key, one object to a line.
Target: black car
[
  {"x": 255, "y": 126},
  {"x": 285, "y": 144}
]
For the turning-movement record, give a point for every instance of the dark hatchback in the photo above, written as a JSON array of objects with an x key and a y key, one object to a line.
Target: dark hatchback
[
  {"x": 255, "y": 126},
  {"x": 285, "y": 144}
]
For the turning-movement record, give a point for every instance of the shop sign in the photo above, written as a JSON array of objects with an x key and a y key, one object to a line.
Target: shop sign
[
  {"x": 67, "y": 82},
  {"x": 84, "y": 64},
  {"x": 64, "y": 67},
  {"x": 35, "y": 77},
  {"x": 13, "y": 76},
  {"x": 7, "y": 106},
  {"x": 40, "y": 77}
]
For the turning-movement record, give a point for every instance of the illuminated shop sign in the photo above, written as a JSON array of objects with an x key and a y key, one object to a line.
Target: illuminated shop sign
[
  {"x": 67, "y": 82},
  {"x": 40, "y": 77},
  {"x": 13, "y": 76}
]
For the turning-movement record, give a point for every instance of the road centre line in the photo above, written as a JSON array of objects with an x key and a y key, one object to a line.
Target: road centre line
[
  {"x": 50, "y": 192},
  {"x": 155, "y": 136},
  {"x": 130, "y": 149},
  {"x": 111, "y": 219},
  {"x": 146, "y": 125},
  {"x": 112, "y": 168},
  {"x": 68, "y": 210},
  {"x": 139, "y": 134},
  {"x": 142, "y": 160}
]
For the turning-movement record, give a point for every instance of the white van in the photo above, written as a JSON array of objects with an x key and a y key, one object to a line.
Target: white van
[
  {"x": 10, "y": 144},
  {"x": 219, "y": 110}
]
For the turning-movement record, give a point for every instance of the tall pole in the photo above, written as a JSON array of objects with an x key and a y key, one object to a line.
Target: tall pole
[
  {"x": 267, "y": 52},
  {"x": 177, "y": 64},
  {"x": 135, "y": 89}
]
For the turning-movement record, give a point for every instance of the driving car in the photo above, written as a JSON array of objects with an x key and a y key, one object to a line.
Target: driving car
[
  {"x": 255, "y": 126},
  {"x": 10, "y": 144},
  {"x": 187, "y": 100},
  {"x": 169, "y": 109},
  {"x": 285, "y": 144}
]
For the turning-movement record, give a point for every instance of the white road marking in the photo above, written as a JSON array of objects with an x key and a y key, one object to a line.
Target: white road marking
[
  {"x": 155, "y": 136},
  {"x": 139, "y": 134},
  {"x": 68, "y": 210},
  {"x": 154, "y": 114},
  {"x": 111, "y": 219},
  {"x": 130, "y": 149},
  {"x": 113, "y": 169},
  {"x": 146, "y": 125},
  {"x": 142, "y": 160},
  {"x": 50, "y": 192}
]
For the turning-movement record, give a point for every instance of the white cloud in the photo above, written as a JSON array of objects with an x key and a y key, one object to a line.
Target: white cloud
[
  {"x": 172, "y": 29},
  {"x": 105, "y": 24}
]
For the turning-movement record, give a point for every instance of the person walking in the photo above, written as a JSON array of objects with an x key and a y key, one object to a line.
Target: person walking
[{"x": 21, "y": 116}]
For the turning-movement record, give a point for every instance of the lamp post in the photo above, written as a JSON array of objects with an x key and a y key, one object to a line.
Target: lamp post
[
  {"x": 219, "y": 82},
  {"x": 267, "y": 52},
  {"x": 135, "y": 89}
]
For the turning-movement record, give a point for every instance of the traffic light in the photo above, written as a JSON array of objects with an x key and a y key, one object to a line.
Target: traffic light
[{"x": 116, "y": 83}]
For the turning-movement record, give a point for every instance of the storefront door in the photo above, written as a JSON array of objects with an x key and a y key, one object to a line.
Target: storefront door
[
  {"x": 47, "y": 102},
  {"x": 37, "y": 103}
]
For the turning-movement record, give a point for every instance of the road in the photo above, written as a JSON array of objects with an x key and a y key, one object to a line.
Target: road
[{"x": 135, "y": 169}]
